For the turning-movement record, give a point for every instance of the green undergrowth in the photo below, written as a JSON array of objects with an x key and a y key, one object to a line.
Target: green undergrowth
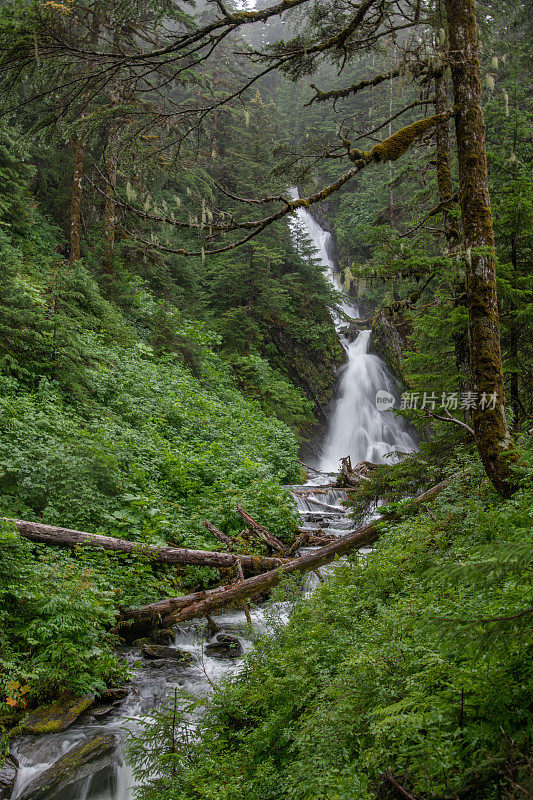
[
  {"x": 151, "y": 450},
  {"x": 154, "y": 452},
  {"x": 411, "y": 664}
]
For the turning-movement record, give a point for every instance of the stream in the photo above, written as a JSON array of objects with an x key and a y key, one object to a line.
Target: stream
[{"x": 357, "y": 428}]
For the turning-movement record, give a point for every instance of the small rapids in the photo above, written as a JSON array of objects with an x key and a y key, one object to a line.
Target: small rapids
[{"x": 357, "y": 428}]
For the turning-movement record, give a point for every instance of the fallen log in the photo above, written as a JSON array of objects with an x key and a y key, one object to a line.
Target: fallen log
[
  {"x": 327, "y": 506},
  {"x": 176, "y": 609},
  {"x": 65, "y": 537},
  {"x": 272, "y": 541},
  {"x": 218, "y": 534}
]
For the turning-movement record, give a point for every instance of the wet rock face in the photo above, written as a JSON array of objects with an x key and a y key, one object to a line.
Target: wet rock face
[
  {"x": 56, "y": 716},
  {"x": 162, "y": 651},
  {"x": 61, "y": 779},
  {"x": 224, "y": 646},
  {"x": 8, "y": 774},
  {"x": 388, "y": 343}
]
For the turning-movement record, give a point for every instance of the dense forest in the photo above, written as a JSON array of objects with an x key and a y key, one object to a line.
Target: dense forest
[{"x": 228, "y": 231}]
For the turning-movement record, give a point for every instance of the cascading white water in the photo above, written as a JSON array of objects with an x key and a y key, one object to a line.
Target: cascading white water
[{"x": 357, "y": 427}]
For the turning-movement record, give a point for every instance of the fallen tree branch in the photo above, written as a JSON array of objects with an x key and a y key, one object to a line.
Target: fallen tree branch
[
  {"x": 218, "y": 534},
  {"x": 176, "y": 609},
  {"x": 327, "y": 506},
  {"x": 449, "y": 418},
  {"x": 272, "y": 541},
  {"x": 65, "y": 537},
  {"x": 399, "y": 788}
]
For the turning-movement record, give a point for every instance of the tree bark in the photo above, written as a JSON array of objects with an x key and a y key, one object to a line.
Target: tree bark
[
  {"x": 76, "y": 200},
  {"x": 493, "y": 439},
  {"x": 444, "y": 171},
  {"x": 110, "y": 210},
  {"x": 65, "y": 537},
  {"x": 175, "y": 609},
  {"x": 452, "y": 233}
]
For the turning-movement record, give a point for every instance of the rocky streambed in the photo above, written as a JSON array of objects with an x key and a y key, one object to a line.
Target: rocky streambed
[{"x": 74, "y": 749}]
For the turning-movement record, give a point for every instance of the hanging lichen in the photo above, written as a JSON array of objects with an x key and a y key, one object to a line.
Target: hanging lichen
[
  {"x": 348, "y": 279},
  {"x": 131, "y": 194},
  {"x": 489, "y": 80}
]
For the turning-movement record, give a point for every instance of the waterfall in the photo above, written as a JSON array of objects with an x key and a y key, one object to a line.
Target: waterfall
[
  {"x": 357, "y": 428},
  {"x": 363, "y": 424}
]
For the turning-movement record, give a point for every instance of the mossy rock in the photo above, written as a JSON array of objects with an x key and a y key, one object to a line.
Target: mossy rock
[
  {"x": 76, "y": 765},
  {"x": 56, "y": 716},
  {"x": 224, "y": 646},
  {"x": 387, "y": 342},
  {"x": 163, "y": 636},
  {"x": 114, "y": 694},
  {"x": 161, "y": 651}
]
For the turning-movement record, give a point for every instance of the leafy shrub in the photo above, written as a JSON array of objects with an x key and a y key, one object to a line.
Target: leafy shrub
[{"x": 412, "y": 664}]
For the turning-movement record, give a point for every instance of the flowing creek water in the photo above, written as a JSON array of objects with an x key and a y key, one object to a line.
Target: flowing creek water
[{"x": 357, "y": 428}]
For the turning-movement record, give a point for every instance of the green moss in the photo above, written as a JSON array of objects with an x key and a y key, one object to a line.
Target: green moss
[
  {"x": 56, "y": 716},
  {"x": 396, "y": 145},
  {"x": 65, "y": 770}
]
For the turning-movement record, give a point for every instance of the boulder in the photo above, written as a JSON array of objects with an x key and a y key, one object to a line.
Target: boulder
[
  {"x": 114, "y": 695},
  {"x": 84, "y": 759},
  {"x": 102, "y": 711},
  {"x": 56, "y": 716},
  {"x": 163, "y": 636},
  {"x": 224, "y": 646},
  {"x": 8, "y": 774},
  {"x": 163, "y": 651},
  {"x": 142, "y": 640}
]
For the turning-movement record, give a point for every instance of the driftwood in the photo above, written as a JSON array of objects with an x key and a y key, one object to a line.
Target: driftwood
[
  {"x": 354, "y": 475},
  {"x": 272, "y": 541},
  {"x": 177, "y": 609},
  {"x": 49, "y": 534},
  {"x": 327, "y": 506},
  {"x": 311, "y": 539}
]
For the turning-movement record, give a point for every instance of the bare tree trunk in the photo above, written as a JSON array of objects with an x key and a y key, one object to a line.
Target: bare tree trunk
[
  {"x": 444, "y": 171},
  {"x": 110, "y": 210},
  {"x": 450, "y": 221},
  {"x": 76, "y": 200},
  {"x": 493, "y": 439}
]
